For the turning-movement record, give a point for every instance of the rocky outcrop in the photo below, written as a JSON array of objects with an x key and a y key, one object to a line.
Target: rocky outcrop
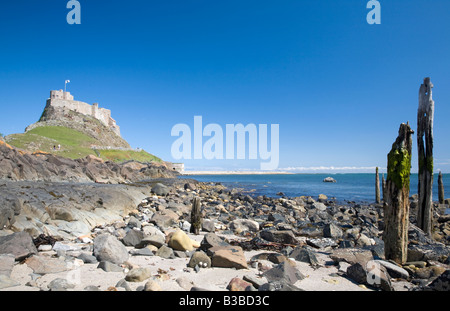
[
  {"x": 60, "y": 116},
  {"x": 18, "y": 165}
]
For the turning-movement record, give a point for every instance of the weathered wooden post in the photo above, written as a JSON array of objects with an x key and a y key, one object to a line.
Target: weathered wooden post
[
  {"x": 396, "y": 207},
  {"x": 196, "y": 216},
  {"x": 377, "y": 186},
  {"x": 441, "y": 189},
  {"x": 425, "y": 116},
  {"x": 383, "y": 187}
]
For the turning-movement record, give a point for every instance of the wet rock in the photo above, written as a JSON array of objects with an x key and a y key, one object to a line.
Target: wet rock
[
  {"x": 19, "y": 244},
  {"x": 109, "y": 248}
]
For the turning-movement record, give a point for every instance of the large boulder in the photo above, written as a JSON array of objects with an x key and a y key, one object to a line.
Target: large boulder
[
  {"x": 19, "y": 244},
  {"x": 109, "y": 248}
]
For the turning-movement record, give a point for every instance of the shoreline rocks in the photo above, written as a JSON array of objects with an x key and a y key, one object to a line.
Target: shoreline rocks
[{"x": 144, "y": 240}]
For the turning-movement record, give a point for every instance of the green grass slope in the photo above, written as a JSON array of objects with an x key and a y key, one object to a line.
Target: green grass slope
[{"x": 74, "y": 145}]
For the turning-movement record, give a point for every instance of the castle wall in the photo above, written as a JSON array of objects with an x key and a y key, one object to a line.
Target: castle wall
[{"x": 65, "y": 100}]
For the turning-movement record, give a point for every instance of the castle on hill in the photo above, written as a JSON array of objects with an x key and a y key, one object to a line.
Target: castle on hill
[{"x": 62, "y": 99}]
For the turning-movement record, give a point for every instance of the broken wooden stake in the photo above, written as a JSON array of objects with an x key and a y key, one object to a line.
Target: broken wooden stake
[
  {"x": 377, "y": 186},
  {"x": 425, "y": 116},
  {"x": 196, "y": 216},
  {"x": 383, "y": 187},
  {"x": 441, "y": 189},
  {"x": 396, "y": 207}
]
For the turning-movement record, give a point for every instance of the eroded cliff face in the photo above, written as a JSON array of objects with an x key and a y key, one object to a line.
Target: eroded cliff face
[{"x": 17, "y": 165}]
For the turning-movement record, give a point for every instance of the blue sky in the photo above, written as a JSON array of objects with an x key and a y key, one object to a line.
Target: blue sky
[{"x": 338, "y": 87}]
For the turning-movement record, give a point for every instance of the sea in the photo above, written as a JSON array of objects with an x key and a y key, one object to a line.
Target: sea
[{"x": 349, "y": 187}]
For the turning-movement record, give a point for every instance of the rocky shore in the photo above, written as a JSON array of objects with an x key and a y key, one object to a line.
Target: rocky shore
[{"x": 136, "y": 237}]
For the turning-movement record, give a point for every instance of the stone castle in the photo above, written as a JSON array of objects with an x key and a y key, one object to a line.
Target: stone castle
[{"x": 62, "y": 99}]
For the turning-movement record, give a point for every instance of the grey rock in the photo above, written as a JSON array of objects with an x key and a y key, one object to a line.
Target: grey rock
[
  {"x": 91, "y": 288},
  {"x": 284, "y": 271},
  {"x": 109, "y": 248},
  {"x": 279, "y": 236},
  {"x": 351, "y": 255},
  {"x": 124, "y": 284},
  {"x": 156, "y": 240},
  {"x": 19, "y": 244},
  {"x": 441, "y": 283},
  {"x": 208, "y": 225},
  {"x": 369, "y": 274},
  {"x": 160, "y": 189},
  {"x": 109, "y": 267},
  {"x": 278, "y": 286},
  {"x": 133, "y": 238},
  {"x": 6, "y": 264},
  {"x": 394, "y": 270},
  {"x": 6, "y": 281},
  {"x": 45, "y": 265},
  {"x": 133, "y": 222},
  {"x": 321, "y": 242},
  {"x": 244, "y": 225},
  {"x": 165, "y": 252},
  {"x": 141, "y": 252},
  {"x": 303, "y": 254},
  {"x": 60, "y": 284},
  {"x": 87, "y": 258},
  {"x": 256, "y": 281},
  {"x": 210, "y": 240},
  {"x": 319, "y": 206},
  {"x": 332, "y": 231}
]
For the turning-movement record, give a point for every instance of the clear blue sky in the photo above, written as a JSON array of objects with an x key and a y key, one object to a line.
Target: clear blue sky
[{"x": 338, "y": 87}]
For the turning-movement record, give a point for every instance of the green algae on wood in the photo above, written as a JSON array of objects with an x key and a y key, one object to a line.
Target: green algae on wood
[{"x": 396, "y": 205}]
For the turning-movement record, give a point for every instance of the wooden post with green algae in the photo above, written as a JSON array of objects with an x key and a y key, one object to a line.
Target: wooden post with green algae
[{"x": 396, "y": 207}]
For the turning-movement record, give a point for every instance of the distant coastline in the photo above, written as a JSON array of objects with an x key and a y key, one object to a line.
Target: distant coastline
[{"x": 236, "y": 173}]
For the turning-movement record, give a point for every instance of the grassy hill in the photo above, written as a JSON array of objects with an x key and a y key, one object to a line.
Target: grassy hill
[{"x": 74, "y": 145}]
